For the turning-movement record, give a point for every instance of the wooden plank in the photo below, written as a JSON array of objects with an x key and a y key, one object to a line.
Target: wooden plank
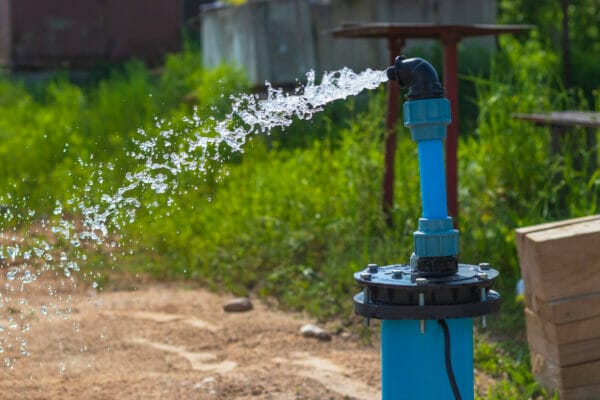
[
  {"x": 591, "y": 392},
  {"x": 528, "y": 258},
  {"x": 569, "y": 332},
  {"x": 562, "y": 118},
  {"x": 568, "y": 309},
  {"x": 578, "y": 352},
  {"x": 423, "y": 30},
  {"x": 540, "y": 341},
  {"x": 552, "y": 376},
  {"x": 522, "y": 232},
  {"x": 560, "y": 261},
  {"x": 581, "y": 375}
]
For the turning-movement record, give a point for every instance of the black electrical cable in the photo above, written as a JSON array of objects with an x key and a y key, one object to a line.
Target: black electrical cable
[{"x": 448, "y": 356}]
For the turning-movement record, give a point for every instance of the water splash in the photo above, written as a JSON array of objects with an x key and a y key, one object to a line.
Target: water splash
[
  {"x": 57, "y": 244},
  {"x": 249, "y": 115}
]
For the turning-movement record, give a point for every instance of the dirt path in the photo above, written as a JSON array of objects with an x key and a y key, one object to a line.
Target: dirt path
[{"x": 167, "y": 342}]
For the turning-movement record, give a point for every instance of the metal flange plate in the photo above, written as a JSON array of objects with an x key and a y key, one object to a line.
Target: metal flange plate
[
  {"x": 397, "y": 292},
  {"x": 398, "y": 284},
  {"x": 390, "y": 312}
]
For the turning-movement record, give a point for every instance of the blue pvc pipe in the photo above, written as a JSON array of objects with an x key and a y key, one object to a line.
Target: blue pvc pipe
[
  {"x": 433, "y": 179},
  {"x": 413, "y": 364}
]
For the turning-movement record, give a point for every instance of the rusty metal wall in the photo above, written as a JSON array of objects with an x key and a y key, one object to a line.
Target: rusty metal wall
[
  {"x": 84, "y": 33},
  {"x": 145, "y": 29},
  {"x": 272, "y": 40}
]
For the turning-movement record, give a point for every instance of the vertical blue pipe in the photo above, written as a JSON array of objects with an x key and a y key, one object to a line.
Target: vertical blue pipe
[
  {"x": 413, "y": 364},
  {"x": 433, "y": 179},
  {"x": 427, "y": 120}
]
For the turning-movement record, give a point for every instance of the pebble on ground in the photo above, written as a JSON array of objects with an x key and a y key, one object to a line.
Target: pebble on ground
[
  {"x": 313, "y": 331},
  {"x": 240, "y": 304}
]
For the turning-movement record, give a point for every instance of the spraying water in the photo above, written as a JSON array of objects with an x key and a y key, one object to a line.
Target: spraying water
[{"x": 56, "y": 245}]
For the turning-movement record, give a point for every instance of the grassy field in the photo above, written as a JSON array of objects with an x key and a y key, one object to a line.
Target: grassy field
[{"x": 294, "y": 216}]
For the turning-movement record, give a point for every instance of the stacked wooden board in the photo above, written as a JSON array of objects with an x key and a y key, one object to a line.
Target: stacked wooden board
[{"x": 560, "y": 264}]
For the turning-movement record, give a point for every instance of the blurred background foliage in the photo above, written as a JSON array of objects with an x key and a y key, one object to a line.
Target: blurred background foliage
[{"x": 582, "y": 38}]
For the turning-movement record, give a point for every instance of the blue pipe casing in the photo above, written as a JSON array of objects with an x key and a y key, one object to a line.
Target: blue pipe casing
[
  {"x": 413, "y": 363},
  {"x": 413, "y": 360},
  {"x": 433, "y": 193},
  {"x": 427, "y": 120}
]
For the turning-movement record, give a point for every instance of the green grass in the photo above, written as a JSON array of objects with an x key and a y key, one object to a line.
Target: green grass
[
  {"x": 294, "y": 216},
  {"x": 509, "y": 366}
]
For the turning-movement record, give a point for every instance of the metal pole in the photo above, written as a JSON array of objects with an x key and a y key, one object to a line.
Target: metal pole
[
  {"x": 451, "y": 84},
  {"x": 391, "y": 119}
]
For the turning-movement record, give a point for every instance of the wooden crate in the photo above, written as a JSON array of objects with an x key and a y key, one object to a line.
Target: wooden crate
[{"x": 560, "y": 264}]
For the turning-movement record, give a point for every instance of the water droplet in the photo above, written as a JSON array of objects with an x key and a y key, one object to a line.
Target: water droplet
[
  {"x": 57, "y": 209},
  {"x": 11, "y": 274},
  {"x": 28, "y": 277},
  {"x": 73, "y": 265},
  {"x": 23, "y": 348},
  {"x": 12, "y": 252}
]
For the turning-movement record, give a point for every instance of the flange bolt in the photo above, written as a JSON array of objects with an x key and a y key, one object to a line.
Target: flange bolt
[
  {"x": 373, "y": 268},
  {"x": 484, "y": 266}
]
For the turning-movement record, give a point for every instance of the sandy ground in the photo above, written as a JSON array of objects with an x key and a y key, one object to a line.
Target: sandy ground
[{"x": 165, "y": 341}]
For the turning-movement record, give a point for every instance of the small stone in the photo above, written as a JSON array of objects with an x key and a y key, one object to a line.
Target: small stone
[
  {"x": 313, "y": 331},
  {"x": 240, "y": 304}
]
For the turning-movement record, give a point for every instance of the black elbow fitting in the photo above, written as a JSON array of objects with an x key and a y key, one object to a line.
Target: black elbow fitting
[{"x": 418, "y": 75}]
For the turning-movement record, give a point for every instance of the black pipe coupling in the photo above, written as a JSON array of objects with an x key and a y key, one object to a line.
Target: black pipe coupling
[{"x": 418, "y": 76}]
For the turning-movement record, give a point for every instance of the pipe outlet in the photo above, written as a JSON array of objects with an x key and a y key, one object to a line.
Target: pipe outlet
[{"x": 418, "y": 76}]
